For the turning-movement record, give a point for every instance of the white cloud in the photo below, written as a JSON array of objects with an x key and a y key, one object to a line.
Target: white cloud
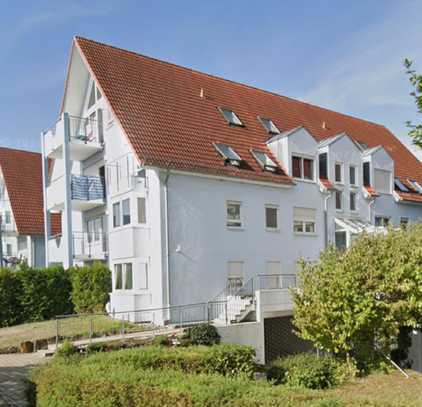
[{"x": 369, "y": 80}]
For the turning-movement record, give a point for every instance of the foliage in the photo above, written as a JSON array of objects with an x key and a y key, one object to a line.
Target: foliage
[
  {"x": 29, "y": 294},
  {"x": 202, "y": 334},
  {"x": 355, "y": 301},
  {"x": 161, "y": 340},
  {"x": 416, "y": 82},
  {"x": 90, "y": 287},
  {"x": 11, "y": 311},
  {"x": 67, "y": 349},
  {"x": 95, "y": 347},
  {"x": 307, "y": 370}
]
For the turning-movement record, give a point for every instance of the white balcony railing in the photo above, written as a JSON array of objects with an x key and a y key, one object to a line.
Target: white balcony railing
[
  {"x": 84, "y": 135},
  {"x": 90, "y": 245}
]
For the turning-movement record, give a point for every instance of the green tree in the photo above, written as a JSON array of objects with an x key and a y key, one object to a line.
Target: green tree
[
  {"x": 416, "y": 81},
  {"x": 351, "y": 302}
]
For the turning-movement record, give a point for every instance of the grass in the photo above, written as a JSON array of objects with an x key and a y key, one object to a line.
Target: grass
[
  {"x": 72, "y": 328},
  {"x": 119, "y": 378}
]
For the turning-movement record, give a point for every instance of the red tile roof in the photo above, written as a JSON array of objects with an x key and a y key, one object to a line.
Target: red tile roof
[
  {"x": 22, "y": 174},
  {"x": 411, "y": 197},
  {"x": 327, "y": 184},
  {"x": 169, "y": 124},
  {"x": 371, "y": 191}
]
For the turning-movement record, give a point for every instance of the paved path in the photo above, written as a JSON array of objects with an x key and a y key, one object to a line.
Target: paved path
[{"x": 13, "y": 371}]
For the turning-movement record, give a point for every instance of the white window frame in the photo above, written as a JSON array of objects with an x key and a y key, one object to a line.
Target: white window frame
[
  {"x": 356, "y": 175},
  {"x": 277, "y": 227},
  {"x": 241, "y": 223},
  {"x": 302, "y": 167},
  {"x": 304, "y": 223},
  {"x": 341, "y": 182}
]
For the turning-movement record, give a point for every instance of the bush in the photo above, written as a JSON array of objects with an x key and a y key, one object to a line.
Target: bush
[
  {"x": 11, "y": 310},
  {"x": 67, "y": 349},
  {"x": 91, "y": 286},
  {"x": 202, "y": 334},
  {"x": 308, "y": 370},
  {"x": 95, "y": 347},
  {"x": 161, "y": 340}
]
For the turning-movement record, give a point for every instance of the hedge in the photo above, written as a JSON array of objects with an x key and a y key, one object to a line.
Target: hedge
[{"x": 128, "y": 378}]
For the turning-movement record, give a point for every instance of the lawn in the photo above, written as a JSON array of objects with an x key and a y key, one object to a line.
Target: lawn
[{"x": 73, "y": 327}]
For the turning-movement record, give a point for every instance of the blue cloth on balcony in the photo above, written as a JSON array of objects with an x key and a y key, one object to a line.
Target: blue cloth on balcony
[{"x": 87, "y": 188}]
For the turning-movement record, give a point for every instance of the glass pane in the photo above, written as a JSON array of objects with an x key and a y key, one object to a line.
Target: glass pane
[
  {"x": 296, "y": 163},
  {"x": 126, "y": 211},
  {"x": 338, "y": 200},
  {"x": 338, "y": 172},
  {"x": 352, "y": 176},
  {"x": 118, "y": 276},
  {"x": 308, "y": 172},
  {"x": 271, "y": 217},
  {"x": 141, "y": 210},
  {"x": 129, "y": 276},
  {"x": 116, "y": 214},
  {"x": 341, "y": 241},
  {"x": 298, "y": 226},
  {"x": 91, "y": 101},
  {"x": 309, "y": 227},
  {"x": 233, "y": 215}
]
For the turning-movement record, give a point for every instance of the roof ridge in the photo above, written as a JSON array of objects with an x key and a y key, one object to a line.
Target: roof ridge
[
  {"x": 196, "y": 71},
  {"x": 20, "y": 150}
]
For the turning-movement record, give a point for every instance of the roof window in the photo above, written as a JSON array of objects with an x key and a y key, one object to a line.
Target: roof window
[
  {"x": 229, "y": 155},
  {"x": 416, "y": 185},
  {"x": 269, "y": 125},
  {"x": 230, "y": 116},
  {"x": 400, "y": 186},
  {"x": 264, "y": 160}
]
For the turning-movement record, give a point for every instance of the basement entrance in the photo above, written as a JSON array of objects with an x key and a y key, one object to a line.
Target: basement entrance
[{"x": 280, "y": 340}]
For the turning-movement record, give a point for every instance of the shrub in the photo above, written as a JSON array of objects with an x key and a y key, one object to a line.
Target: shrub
[
  {"x": 95, "y": 347},
  {"x": 90, "y": 287},
  {"x": 202, "y": 334},
  {"x": 67, "y": 349},
  {"x": 11, "y": 310},
  {"x": 161, "y": 340},
  {"x": 308, "y": 370}
]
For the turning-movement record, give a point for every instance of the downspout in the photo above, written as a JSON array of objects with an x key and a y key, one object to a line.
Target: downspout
[
  {"x": 371, "y": 202},
  {"x": 326, "y": 198},
  {"x": 166, "y": 216}
]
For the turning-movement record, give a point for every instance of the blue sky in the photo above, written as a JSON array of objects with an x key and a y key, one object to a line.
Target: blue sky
[{"x": 339, "y": 54}]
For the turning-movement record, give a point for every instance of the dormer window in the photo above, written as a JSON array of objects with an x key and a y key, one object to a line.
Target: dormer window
[
  {"x": 229, "y": 155},
  {"x": 230, "y": 116},
  {"x": 400, "y": 186},
  {"x": 269, "y": 125},
  {"x": 303, "y": 168},
  {"x": 264, "y": 160},
  {"x": 416, "y": 185}
]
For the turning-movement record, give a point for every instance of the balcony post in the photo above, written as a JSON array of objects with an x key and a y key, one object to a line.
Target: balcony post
[
  {"x": 47, "y": 229},
  {"x": 68, "y": 261}
]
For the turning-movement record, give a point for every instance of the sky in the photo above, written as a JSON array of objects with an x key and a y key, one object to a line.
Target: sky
[{"x": 341, "y": 54}]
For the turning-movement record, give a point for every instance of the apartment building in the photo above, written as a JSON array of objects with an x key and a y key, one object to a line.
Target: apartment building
[
  {"x": 21, "y": 208},
  {"x": 193, "y": 188}
]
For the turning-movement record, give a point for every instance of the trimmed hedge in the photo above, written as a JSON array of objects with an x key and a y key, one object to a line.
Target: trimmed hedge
[
  {"x": 130, "y": 378},
  {"x": 29, "y": 294},
  {"x": 202, "y": 334},
  {"x": 91, "y": 286}
]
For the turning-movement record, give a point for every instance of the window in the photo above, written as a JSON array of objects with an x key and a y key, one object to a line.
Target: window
[
  {"x": 272, "y": 278},
  {"x": 98, "y": 225},
  {"x": 269, "y": 125},
  {"x": 234, "y": 276},
  {"x": 116, "y": 214},
  {"x": 142, "y": 281},
  {"x": 126, "y": 211},
  {"x": 22, "y": 243},
  {"x": 264, "y": 161},
  {"x": 367, "y": 174},
  {"x": 352, "y": 175},
  {"x": 353, "y": 201},
  {"x": 382, "y": 221},
  {"x": 404, "y": 222},
  {"x": 229, "y": 155},
  {"x": 303, "y": 168},
  {"x": 128, "y": 276},
  {"x": 400, "y": 186},
  {"x": 142, "y": 217},
  {"x": 230, "y": 116},
  {"x": 234, "y": 219},
  {"x": 382, "y": 181},
  {"x": 416, "y": 185},
  {"x": 91, "y": 101},
  {"x": 7, "y": 217},
  {"x": 118, "y": 278},
  {"x": 339, "y": 200},
  {"x": 304, "y": 220},
  {"x": 338, "y": 173},
  {"x": 271, "y": 217},
  {"x": 8, "y": 249},
  {"x": 323, "y": 166}
]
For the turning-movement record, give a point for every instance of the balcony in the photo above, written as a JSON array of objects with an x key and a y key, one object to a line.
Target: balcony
[
  {"x": 87, "y": 192},
  {"x": 88, "y": 246},
  {"x": 85, "y": 137}
]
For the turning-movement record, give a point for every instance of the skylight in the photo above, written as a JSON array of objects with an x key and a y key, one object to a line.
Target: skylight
[
  {"x": 230, "y": 116},
  {"x": 400, "y": 186},
  {"x": 228, "y": 154},
  {"x": 269, "y": 125},
  {"x": 416, "y": 185},
  {"x": 264, "y": 161}
]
